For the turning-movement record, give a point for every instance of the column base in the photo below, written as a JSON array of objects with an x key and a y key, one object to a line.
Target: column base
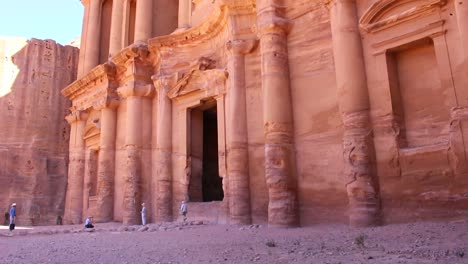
[{"x": 364, "y": 215}]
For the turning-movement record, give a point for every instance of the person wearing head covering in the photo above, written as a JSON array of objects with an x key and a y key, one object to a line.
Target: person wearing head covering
[
  {"x": 12, "y": 216},
  {"x": 183, "y": 210},
  {"x": 89, "y": 222},
  {"x": 143, "y": 214}
]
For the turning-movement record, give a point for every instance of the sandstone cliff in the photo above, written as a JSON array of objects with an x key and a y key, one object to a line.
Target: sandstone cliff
[{"x": 33, "y": 132}]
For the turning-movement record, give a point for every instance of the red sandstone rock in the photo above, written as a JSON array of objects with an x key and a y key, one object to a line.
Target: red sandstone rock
[{"x": 34, "y": 136}]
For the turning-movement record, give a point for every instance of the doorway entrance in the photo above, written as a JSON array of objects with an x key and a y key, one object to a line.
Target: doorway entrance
[{"x": 205, "y": 184}]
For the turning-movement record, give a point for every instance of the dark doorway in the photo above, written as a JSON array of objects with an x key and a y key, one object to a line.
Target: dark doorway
[
  {"x": 212, "y": 184},
  {"x": 205, "y": 184}
]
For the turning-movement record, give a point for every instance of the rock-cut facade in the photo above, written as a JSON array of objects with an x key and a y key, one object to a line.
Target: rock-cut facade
[{"x": 285, "y": 112}]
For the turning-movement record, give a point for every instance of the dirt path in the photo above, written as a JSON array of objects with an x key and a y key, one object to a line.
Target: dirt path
[{"x": 175, "y": 243}]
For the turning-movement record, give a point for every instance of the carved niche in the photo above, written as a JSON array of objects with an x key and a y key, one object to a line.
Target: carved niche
[{"x": 399, "y": 33}]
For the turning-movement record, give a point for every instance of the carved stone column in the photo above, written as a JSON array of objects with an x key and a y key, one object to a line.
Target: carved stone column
[
  {"x": 84, "y": 30},
  {"x": 163, "y": 167},
  {"x": 106, "y": 161},
  {"x": 143, "y": 20},
  {"x": 76, "y": 165},
  {"x": 277, "y": 112},
  {"x": 133, "y": 93},
  {"x": 115, "y": 43},
  {"x": 237, "y": 145},
  {"x": 358, "y": 148},
  {"x": 185, "y": 11},
  {"x": 93, "y": 35}
]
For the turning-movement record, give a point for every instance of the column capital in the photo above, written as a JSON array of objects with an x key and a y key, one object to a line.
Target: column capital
[
  {"x": 164, "y": 81},
  {"x": 135, "y": 89},
  {"x": 271, "y": 21},
  {"x": 75, "y": 116},
  {"x": 241, "y": 46},
  {"x": 106, "y": 102}
]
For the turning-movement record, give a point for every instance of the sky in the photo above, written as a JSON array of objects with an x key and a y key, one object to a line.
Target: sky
[{"x": 60, "y": 20}]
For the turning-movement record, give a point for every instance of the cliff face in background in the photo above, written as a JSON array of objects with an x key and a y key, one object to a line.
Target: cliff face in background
[{"x": 33, "y": 132}]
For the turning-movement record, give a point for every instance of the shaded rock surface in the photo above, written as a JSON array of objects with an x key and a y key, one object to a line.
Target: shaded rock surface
[{"x": 33, "y": 132}]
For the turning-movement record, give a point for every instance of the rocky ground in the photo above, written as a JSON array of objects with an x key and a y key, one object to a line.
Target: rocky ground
[{"x": 198, "y": 242}]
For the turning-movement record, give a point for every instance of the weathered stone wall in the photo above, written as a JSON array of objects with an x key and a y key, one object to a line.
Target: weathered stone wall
[
  {"x": 317, "y": 121},
  {"x": 34, "y": 135}
]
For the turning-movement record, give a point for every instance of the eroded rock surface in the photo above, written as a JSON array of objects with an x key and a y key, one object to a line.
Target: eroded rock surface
[{"x": 33, "y": 132}]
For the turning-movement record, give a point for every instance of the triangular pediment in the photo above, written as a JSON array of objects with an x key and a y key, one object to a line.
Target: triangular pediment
[
  {"x": 388, "y": 13},
  {"x": 212, "y": 82}
]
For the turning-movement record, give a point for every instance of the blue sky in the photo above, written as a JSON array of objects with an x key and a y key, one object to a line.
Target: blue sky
[{"x": 59, "y": 20}]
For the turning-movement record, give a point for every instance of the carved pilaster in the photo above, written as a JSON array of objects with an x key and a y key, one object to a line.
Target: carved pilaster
[
  {"x": 279, "y": 150},
  {"x": 163, "y": 167},
  {"x": 237, "y": 144}
]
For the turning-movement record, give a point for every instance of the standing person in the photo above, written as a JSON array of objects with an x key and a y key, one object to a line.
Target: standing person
[
  {"x": 183, "y": 210},
  {"x": 143, "y": 214},
  {"x": 89, "y": 222},
  {"x": 12, "y": 216}
]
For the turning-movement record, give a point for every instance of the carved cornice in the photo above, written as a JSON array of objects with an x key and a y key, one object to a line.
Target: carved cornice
[
  {"x": 137, "y": 50},
  {"x": 94, "y": 88},
  {"x": 379, "y": 15},
  {"x": 102, "y": 73}
]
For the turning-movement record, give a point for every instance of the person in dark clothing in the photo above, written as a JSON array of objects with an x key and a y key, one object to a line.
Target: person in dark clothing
[
  {"x": 59, "y": 220},
  {"x": 7, "y": 218},
  {"x": 89, "y": 222},
  {"x": 12, "y": 216}
]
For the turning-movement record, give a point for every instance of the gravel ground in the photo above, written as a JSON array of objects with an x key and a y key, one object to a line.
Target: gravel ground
[{"x": 198, "y": 242}]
